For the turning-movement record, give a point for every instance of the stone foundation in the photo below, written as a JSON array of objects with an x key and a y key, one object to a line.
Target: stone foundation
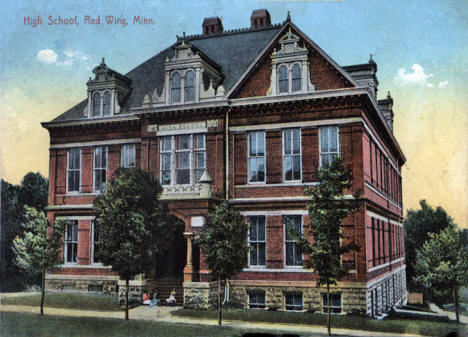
[
  {"x": 135, "y": 292},
  {"x": 203, "y": 295},
  {"x": 105, "y": 285}
]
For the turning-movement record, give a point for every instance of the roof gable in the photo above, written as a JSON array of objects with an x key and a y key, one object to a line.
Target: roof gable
[{"x": 325, "y": 74}]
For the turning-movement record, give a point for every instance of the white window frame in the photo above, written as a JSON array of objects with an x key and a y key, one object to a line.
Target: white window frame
[
  {"x": 182, "y": 74},
  {"x": 95, "y": 189},
  {"x": 294, "y": 242},
  {"x": 93, "y": 242},
  {"x": 124, "y": 151},
  {"x": 292, "y": 155},
  {"x": 198, "y": 150},
  {"x": 251, "y": 157},
  {"x": 101, "y": 93},
  {"x": 74, "y": 170},
  {"x": 328, "y": 133},
  {"x": 257, "y": 305},
  {"x": 295, "y": 307},
  {"x": 67, "y": 242},
  {"x": 256, "y": 242},
  {"x": 325, "y": 307},
  {"x": 173, "y": 153},
  {"x": 289, "y": 66}
]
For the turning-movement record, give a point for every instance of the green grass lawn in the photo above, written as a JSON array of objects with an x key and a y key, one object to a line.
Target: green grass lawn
[
  {"x": 32, "y": 325},
  {"x": 69, "y": 300},
  {"x": 421, "y": 327}
]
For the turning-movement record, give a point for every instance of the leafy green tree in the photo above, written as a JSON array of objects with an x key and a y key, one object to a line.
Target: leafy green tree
[
  {"x": 328, "y": 208},
  {"x": 34, "y": 191},
  {"x": 223, "y": 242},
  {"x": 38, "y": 249},
  {"x": 133, "y": 224},
  {"x": 418, "y": 224},
  {"x": 442, "y": 264}
]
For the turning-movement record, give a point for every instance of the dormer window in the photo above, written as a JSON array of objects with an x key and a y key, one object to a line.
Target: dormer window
[
  {"x": 189, "y": 86},
  {"x": 183, "y": 86},
  {"x": 176, "y": 85},
  {"x": 290, "y": 67},
  {"x": 102, "y": 104}
]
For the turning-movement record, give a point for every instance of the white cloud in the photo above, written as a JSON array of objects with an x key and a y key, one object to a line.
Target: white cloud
[
  {"x": 47, "y": 56},
  {"x": 443, "y": 84},
  {"x": 70, "y": 57},
  {"x": 416, "y": 77}
]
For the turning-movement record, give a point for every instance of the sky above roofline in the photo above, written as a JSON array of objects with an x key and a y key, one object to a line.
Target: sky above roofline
[{"x": 420, "y": 49}]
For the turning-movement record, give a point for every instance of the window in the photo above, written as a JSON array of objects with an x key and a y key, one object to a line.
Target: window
[
  {"x": 283, "y": 81},
  {"x": 95, "y": 242},
  {"x": 73, "y": 170},
  {"x": 292, "y": 154},
  {"x": 100, "y": 168},
  {"x": 199, "y": 155},
  {"x": 293, "y": 252},
  {"x": 374, "y": 243},
  {"x": 128, "y": 155},
  {"x": 296, "y": 78},
  {"x": 256, "y": 156},
  {"x": 328, "y": 144},
  {"x": 256, "y": 240},
  {"x": 71, "y": 242},
  {"x": 256, "y": 299},
  {"x": 293, "y": 301},
  {"x": 182, "y": 159},
  {"x": 189, "y": 86},
  {"x": 335, "y": 303},
  {"x": 96, "y": 104},
  {"x": 176, "y": 86},
  {"x": 106, "y": 106}
]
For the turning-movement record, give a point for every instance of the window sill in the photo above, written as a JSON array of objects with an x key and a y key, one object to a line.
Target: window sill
[{"x": 283, "y": 270}]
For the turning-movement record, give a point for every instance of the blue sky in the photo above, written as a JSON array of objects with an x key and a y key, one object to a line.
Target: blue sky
[{"x": 420, "y": 47}]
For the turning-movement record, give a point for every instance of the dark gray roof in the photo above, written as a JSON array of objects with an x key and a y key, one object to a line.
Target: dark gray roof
[{"x": 233, "y": 51}]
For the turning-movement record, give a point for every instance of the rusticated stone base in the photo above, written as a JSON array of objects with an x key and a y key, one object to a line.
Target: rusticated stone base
[
  {"x": 203, "y": 295},
  {"x": 200, "y": 295},
  {"x": 135, "y": 292},
  {"x": 105, "y": 286}
]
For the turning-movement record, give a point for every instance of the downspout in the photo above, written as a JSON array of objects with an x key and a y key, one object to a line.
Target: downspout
[{"x": 226, "y": 159}]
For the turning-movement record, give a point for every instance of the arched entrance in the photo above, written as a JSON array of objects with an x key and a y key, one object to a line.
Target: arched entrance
[{"x": 168, "y": 273}]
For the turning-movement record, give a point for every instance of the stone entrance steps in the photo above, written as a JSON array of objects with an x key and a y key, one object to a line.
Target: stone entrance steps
[{"x": 164, "y": 285}]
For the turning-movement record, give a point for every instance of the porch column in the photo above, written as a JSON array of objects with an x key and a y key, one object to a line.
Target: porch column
[{"x": 188, "y": 270}]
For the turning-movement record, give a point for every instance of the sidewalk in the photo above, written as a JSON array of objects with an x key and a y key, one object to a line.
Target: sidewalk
[
  {"x": 450, "y": 314},
  {"x": 163, "y": 314}
]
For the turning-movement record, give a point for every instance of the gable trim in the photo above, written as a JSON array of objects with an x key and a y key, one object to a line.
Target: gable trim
[{"x": 270, "y": 44}]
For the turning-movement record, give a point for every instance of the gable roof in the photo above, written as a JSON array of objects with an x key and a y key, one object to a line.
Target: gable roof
[{"x": 233, "y": 51}]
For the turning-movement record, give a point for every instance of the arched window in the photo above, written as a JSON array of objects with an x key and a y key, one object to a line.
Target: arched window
[
  {"x": 283, "y": 79},
  {"x": 106, "y": 108},
  {"x": 96, "y": 104},
  {"x": 175, "y": 87},
  {"x": 296, "y": 78},
  {"x": 189, "y": 86}
]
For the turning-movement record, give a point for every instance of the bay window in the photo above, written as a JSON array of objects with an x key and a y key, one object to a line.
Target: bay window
[{"x": 182, "y": 159}]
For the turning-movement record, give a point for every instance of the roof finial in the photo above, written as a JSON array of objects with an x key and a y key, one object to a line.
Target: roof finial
[
  {"x": 183, "y": 35},
  {"x": 288, "y": 17},
  {"x": 371, "y": 60},
  {"x": 388, "y": 95},
  {"x": 102, "y": 62}
]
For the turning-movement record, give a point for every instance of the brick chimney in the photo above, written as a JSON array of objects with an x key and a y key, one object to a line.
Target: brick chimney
[
  {"x": 212, "y": 25},
  {"x": 260, "y": 18}
]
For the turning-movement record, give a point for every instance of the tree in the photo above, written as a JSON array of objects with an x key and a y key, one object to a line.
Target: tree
[
  {"x": 38, "y": 249},
  {"x": 328, "y": 208},
  {"x": 223, "y": 242},
  {"x": 34, "y": 191},
  {"x": 133, "y": 224},
  {"x": 442, "y": 264},
  {"x": 418, "y": 224}
]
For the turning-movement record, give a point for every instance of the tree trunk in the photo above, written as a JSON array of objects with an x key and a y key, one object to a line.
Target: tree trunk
[
  {"x": 127, "y": 286},
  {"x": 42, "y": 290},
  {"x": 455, "y": 301},
  {"x": 328, "y": 309},
  {"x": 220, "y": 308}
]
